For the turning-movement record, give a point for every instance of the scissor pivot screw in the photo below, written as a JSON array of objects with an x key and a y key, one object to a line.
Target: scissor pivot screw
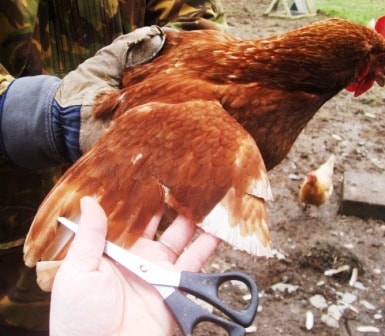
[{"x": 143, "y": 268}]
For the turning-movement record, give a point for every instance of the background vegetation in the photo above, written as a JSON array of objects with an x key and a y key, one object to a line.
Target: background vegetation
[{"x": 361, "y": 11}]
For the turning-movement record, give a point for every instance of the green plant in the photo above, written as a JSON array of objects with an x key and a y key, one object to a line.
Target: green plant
[{"x": 361, "y": 11}]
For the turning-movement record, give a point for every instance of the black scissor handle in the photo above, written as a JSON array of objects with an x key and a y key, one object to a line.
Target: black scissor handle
[
  {"x": 206, "y": 285},
  {"x": 189, "y": 314}
]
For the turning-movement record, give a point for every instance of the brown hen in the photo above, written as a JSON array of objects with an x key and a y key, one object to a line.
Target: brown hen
[{"x": 195, "y": 128}]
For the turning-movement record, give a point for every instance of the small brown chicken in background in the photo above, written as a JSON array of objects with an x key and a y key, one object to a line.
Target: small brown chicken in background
[
  {"x": 194, "y": 129},
  {"x": 317, "y": 186}
]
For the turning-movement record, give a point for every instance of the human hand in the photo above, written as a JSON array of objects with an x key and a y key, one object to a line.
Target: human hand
[
  {"x": 92, "y": 295},
  {"x": 103, "y": 73}
]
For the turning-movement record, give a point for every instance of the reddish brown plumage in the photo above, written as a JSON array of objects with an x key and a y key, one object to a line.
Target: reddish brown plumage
[
  {"x": 272, "y": 86},
  {"x": 185, "y": 127}
]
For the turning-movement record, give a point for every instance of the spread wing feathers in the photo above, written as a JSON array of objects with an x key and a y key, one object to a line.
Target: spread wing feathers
[{"x": 208, "y": 169}]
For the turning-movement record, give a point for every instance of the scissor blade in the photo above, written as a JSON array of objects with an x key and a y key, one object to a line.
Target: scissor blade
[{"x": 146, "y": 270}]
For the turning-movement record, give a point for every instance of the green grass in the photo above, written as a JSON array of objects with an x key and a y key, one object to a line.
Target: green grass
[{"x": 361, "y": 11}]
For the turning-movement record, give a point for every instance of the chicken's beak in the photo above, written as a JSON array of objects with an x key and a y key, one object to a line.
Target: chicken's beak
[
  {"x": 380, "y": 80},
  {"x": 380, "y": 70}
]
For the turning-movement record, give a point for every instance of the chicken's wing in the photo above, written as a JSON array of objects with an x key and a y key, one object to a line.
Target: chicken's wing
[{"x": 192, "y": 156}]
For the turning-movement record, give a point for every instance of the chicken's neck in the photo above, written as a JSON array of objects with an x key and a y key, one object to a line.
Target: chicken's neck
[
  {"x": 274, "y": 86},
  {"x": 317, "y": 59},
  {"x": 273, "y": 117},
  {"x": 281, "y": 66}
]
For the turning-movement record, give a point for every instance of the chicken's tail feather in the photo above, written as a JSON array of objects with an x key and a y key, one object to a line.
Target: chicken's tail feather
[{"x": 325, "y": 171}]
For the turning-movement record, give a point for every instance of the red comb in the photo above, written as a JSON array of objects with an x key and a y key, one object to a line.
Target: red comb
[{"x": 380, "y": 26}]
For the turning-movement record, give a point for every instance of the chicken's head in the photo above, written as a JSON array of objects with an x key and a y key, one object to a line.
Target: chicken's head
[
  {"x": 311, "y": 179},
  {"x": 372, "y": 69}
]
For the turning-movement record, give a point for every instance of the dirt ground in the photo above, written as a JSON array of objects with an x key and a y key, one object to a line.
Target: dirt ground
[{"x": 294, "y": 281}]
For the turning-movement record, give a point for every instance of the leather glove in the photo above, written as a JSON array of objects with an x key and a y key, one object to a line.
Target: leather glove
[{"x": 46, "y": 121}]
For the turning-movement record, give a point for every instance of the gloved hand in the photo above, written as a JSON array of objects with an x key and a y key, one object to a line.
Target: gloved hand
[{"x": 46, "y": 121}]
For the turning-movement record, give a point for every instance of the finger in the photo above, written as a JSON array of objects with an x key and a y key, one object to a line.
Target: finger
[
  {"x": 196, "y": 255},
  {"x": 177, "y": 236},
  {"x": 152, "y": 227},
  {"x": 87, "y": 247}
]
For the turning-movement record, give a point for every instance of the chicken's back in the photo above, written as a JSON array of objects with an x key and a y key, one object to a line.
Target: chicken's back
[{"x": 272, "y": 86}]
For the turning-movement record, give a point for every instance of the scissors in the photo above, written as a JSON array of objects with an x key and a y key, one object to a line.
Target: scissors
[{"x": 205, "y": 286}]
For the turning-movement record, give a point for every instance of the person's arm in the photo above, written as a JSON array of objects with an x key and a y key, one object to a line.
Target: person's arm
[
  {"x": 45, "y": 121},
  {"x": 187, "y": 15}
]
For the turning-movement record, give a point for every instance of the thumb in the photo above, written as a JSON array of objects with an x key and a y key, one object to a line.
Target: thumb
[{"x": 87, "y": 247}]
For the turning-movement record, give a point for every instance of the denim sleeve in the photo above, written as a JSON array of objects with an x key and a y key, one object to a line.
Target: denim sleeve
[{"x": 31, "y": 132}]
